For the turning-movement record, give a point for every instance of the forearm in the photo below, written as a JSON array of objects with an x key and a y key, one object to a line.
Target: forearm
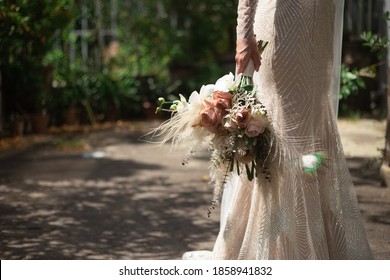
[
  {"x": 246, "y": 47},
  {"x": 245, "y": 18}
]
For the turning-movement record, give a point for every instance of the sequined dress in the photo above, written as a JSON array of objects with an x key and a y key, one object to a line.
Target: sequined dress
[{"x": 295, "y": 215}]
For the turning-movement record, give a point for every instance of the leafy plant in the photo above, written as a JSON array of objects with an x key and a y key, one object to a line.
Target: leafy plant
[
  {"x": 377, "y": 43},
  {"x": 351, "y": 81},
  {"x": 28, "y": 30},
  {"x": 157, "y": 39}
]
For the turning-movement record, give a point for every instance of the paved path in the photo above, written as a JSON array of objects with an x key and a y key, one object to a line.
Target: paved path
[{"x": 139, "y": 202}]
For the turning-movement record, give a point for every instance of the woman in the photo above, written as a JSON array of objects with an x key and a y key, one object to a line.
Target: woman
[{"x": 295, "y": 216}]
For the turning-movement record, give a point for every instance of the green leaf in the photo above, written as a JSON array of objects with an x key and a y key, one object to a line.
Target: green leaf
[
  {"x": 248, "y": 172},
  {"x": 351, "y": 76},
  {"x": 360, "y": 83}
]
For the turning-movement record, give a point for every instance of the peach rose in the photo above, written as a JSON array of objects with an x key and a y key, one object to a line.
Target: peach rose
[
  {"x": 223, "y": 99},
  {"x": 223, "y": 104},
  {"x": 209, "y": 103},
  {"x": 211, "y": 118},
  {"x": 243, "y": 117},
  {"x": 254, "y": 128}
]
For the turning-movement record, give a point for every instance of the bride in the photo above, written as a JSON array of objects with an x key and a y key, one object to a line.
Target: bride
[{"x": 294, "y": 216}]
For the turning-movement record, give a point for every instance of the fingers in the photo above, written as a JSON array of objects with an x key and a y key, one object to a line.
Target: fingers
[
  {"x": 246, "y": 49},
  {"x": 243, "y": 54},
  {"x": 241, "y": 62}
]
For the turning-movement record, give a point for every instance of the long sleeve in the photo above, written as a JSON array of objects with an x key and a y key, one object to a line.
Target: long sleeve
[{"x": 246, "y": 15}]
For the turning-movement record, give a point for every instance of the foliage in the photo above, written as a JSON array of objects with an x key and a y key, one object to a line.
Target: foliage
[
  {"x": 156, "y": 41},
  {"x": 377, "y": 43},
  {"x": 164, "y": 46},
  {"x": 170, "y": 36},
  {"x": 351, "y": 81},
  {"x": 28, "y": 31},
  {"x": 29, "y": 28}
]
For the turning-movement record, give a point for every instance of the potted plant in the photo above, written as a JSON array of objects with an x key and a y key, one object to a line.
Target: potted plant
[
  {"x": 70, "y": 105},
  {"x": 17, "y": 124}
]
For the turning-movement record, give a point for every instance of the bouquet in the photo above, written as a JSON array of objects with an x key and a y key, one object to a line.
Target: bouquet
[{"x": 228, "y": 118}]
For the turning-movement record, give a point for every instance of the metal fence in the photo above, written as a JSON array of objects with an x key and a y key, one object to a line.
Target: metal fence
[
  {"x": 99, "y": 18},
  {"x": 94, "y": 30},
  {"x": 362, "y": 16}
]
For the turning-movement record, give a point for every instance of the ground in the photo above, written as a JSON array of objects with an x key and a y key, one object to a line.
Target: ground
[{"x": 104, "y": 194}]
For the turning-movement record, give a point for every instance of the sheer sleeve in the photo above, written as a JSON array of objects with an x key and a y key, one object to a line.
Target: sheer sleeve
[
  {"x": 337, "y": 48},
  {"x": 246, "y": 15}
]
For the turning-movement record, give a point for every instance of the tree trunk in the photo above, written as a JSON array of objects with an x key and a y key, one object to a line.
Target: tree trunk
[
  {"x": 387, "y": 143},
  {"x": 385, "y": 167},
  {"x": 1, "y": 105}
]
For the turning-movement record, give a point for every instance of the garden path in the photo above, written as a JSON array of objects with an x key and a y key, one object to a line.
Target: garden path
[{"x": 106, "y": 195}]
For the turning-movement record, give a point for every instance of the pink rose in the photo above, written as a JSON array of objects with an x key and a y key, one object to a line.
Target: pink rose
[
  {"x": 254, "y": 128},
  {"x": 211, "y": 118},
  {"x": 209, "y": 103},
  {"x": 223, "y": 104},
  {"x": 223, "y": 99},
  {"x": 221, "y": 94},
  {"x": 243, "y": 117},
  {"x": 208, "y": 118}
]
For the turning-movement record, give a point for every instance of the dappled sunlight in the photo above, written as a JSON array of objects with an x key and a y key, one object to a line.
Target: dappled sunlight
[
  {"x": 110, "y": 208},
  {"x": 136, "y": 202}
]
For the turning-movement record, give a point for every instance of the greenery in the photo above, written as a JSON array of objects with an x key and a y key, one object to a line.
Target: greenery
[
  {"x": 351, "y": 81},
  {"x": 28, "y": 31},
  {"x": 162, "y": 47},
  {"x": 183, "y": 40},
  {"x": 159, "y": 48},
  {"x": 377, "y": 43},
  {"x": 380, "y": 45},
  {"x": 28, "y": 28}
]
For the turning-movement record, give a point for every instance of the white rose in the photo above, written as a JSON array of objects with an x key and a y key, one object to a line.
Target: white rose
[
  {"x": 309, "y": 161},
  {"x": 225, "y": 83},
  {"x": 254, "y": 128},
  {"x": 206, "y": 91}
]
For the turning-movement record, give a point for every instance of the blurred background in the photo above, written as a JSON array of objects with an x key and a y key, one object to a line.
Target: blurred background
[
  {"x": 93, "y": 61},
  {"x": 79, "y": 80},
  {"x": 71, "y": 62}
]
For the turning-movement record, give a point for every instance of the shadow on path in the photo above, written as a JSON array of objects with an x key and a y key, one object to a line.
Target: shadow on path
[
  {"x": 56, "y": 205},
  {"x": 62, "y": 206},
  {"x": 374, "y": 201}
]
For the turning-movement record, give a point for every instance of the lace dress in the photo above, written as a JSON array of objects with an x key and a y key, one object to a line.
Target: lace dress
[{"x": 295, "y": 215}]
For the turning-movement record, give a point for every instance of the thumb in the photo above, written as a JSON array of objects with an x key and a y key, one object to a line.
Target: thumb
[{"x": 241, "y": 62}]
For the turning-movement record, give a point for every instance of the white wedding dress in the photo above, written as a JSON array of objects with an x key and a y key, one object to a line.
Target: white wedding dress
[{"x": 295, "y": 216}]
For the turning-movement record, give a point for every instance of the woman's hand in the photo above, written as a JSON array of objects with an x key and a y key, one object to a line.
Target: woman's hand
[{"x": 246, "y": 49}]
